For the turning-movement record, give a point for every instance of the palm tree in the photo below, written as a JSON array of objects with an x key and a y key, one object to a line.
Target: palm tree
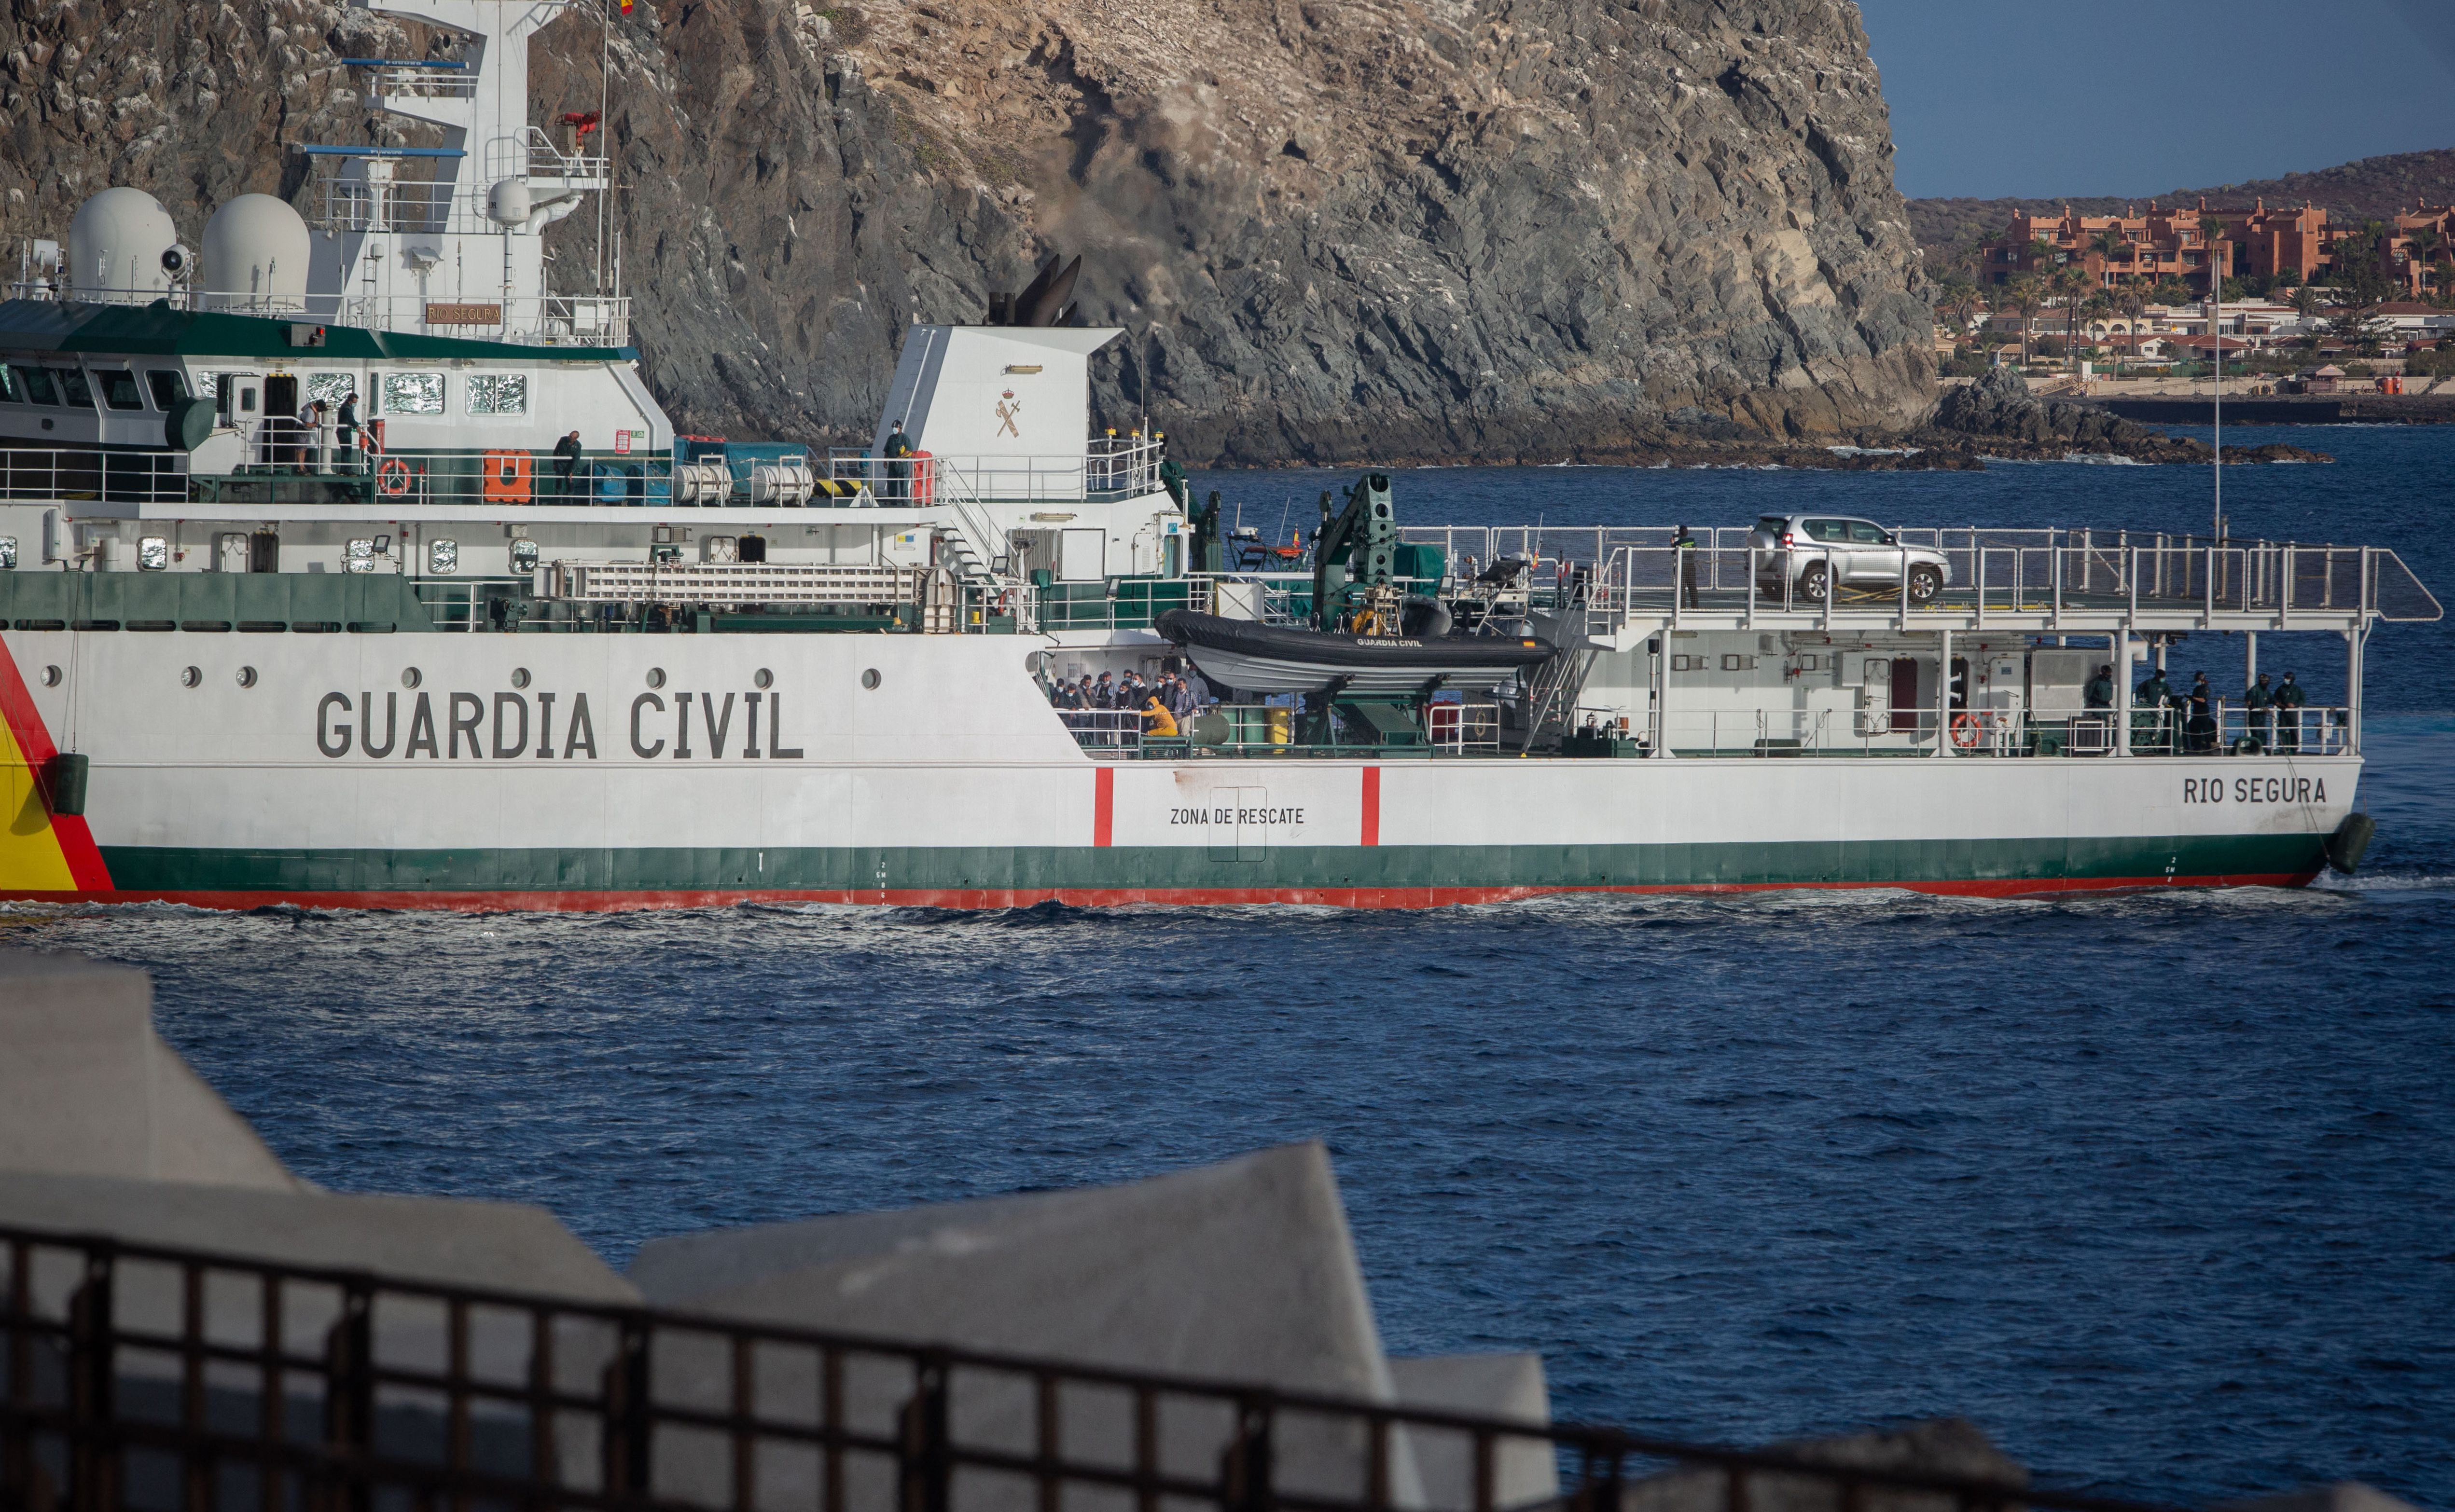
[
  {"x": 2042, "y": 254},
  {"x": 2134, "y": 305},
  {"x": 2211, "y": 228},
  {"x": 2421, "y": 242},
  {"x": 2098, "y": 306},
  {"x": 1960, "y": 302},
  {"x": 2026, "y": 294},
  {"x": 2110, "y": 242},
  {"x": 2070, "y": 281}
]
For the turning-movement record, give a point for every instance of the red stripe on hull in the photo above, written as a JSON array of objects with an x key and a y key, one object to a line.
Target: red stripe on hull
[
  {"x": 588, "y": 902},
  {"x": 77, "y": 849}
]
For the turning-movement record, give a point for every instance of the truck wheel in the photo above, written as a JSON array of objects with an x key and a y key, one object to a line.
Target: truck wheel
[{"x": 1925, "y": 582}]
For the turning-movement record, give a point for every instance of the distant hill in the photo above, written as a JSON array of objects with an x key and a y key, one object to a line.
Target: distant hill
[{"x": 2375, "y": 188}]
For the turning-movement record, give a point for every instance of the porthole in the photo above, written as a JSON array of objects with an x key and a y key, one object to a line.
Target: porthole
[
  {"x": 763, "y": 678},
  {"x": 247, "y": 677},
  {"x": 409, "y": 677},
  {"x": 192, "y": 677},
  {"x": 656, "y": 677},
  {"x": 50, "y": 676},
  {"x": 519, "y": 676},
  {"x": 870, "y": 678}
]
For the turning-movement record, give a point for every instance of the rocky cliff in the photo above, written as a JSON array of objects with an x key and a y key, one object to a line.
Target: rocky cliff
[{"x": 1338, "y": 228}]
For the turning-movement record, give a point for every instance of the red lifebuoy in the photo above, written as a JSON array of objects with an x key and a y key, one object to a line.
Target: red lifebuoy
[
  {"x": 391, "y": 478},
  {"x": 1967, "y": 731}
]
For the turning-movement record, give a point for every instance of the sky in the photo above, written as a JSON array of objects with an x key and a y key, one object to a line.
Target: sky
[{"x": 2135, "y": 97}]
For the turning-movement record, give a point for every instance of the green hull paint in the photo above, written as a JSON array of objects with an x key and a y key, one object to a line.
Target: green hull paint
[{"x": 1973, "y": 864}]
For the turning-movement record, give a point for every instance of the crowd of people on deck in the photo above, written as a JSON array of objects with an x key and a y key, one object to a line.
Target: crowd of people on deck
[
  {"x": 1158, "y": 707},
  {"x": 2166, "y": 721}
]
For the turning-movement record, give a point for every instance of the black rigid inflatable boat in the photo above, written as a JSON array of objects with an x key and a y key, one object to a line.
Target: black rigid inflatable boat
[{"x": 1253, "y": 657}]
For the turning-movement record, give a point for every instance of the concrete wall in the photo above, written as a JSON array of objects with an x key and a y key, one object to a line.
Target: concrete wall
[{"x": 87, "y": 1087}]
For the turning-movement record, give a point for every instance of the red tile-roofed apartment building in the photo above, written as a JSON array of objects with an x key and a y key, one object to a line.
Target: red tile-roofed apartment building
[{"x": 2165, "y": 242}]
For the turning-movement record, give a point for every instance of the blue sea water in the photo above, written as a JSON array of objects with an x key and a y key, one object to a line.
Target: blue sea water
[{"x": 2160, "y": 1190}]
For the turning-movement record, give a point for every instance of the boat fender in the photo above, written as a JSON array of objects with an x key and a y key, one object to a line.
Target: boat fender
[
  {"x": 65, "y": 777},
  {"x": 2351, "y": 839},
  {"x": 188, "y": 424}
]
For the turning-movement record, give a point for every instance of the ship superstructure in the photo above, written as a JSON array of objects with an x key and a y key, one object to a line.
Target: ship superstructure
[{"x": 430, "y": 650}]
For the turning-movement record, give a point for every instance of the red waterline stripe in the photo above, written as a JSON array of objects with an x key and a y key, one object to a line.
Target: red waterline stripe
[
  {"x": 1104, "y": 806},
  {"x": 968, "y": 897},
  {"x": 1371, "y": 806},
  {"x": 34, "y": 743}
]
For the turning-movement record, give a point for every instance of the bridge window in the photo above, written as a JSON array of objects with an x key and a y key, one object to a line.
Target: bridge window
[
  {"x": 498, "y": 393},
  {"x": 168, "y": 385},
  {"x": 119, "y": 388},
  {"x": 412, "y": 394}
]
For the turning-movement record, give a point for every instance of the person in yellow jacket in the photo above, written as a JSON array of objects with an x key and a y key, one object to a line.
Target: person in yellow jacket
[{"x": 1157, "y": 721}]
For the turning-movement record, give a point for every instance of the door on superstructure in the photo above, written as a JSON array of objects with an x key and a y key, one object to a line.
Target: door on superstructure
[
  {"x": 281, "y": 433},
  {"x": 1905, "y": 693}
]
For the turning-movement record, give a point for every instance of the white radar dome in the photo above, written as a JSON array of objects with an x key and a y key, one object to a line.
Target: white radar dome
[
  {"x": 508, "y": 203},
  {"x": 254, "y": 257},
  {"x": 115, "y": 247}
]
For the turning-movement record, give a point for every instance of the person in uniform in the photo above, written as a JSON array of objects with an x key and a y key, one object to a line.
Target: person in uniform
[
  {"x": 566, "y": 461},
  {"x": 1157, "y": 721},
  {"x": 2290, "y": 702},
  {"x": 2151, "y": 720},
  {"x": 2258, "y": 722},
  {"x": 2200, "y": 732},
  {"x": 1685, "y": 545},
  {"x": 898, "y": 465},
  {"x": 349, "y": 432}
]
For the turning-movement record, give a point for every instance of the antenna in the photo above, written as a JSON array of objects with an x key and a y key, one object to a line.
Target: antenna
[{"x": 2216, "y": 330}]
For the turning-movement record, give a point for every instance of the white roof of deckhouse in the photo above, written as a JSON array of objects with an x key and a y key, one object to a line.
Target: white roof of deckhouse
[{"x": 995, "y": 390}]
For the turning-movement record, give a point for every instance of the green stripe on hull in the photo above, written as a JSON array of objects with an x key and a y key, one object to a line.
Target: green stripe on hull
[{"x": 151, "y": 868}]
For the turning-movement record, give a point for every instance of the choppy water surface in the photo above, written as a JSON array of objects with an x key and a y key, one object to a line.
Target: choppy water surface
[{"x": 2155, "y": 1188}]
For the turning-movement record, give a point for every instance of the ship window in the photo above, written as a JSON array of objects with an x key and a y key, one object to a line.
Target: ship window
[
  {"x": 524, "y": 556},
  {"x": 11, "y": 392},
  {"x": 498, "y": 393},
  {"x": 361, "y": 554},
  {"x": 412, "y": 394},
  {"x": 442, "y": 557},
  {"x": 73, "y": 385},
  {"x": 7, "y": 554},
  {"x": 153, "y": 554},
  {"x": 119, "y": 388},
  {"x": 34, "y": 386},
  {"x": 331, "y": 387},
  {"x": 168, "y": 385}
]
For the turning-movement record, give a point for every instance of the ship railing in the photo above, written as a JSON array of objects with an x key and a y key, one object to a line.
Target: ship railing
[
  {"x": 1882, "y": 729},
  {"x": 2273, "y": 580},
  {"x": 1108, "y": 468},
  {"x": 117, "y": 478},
  {"x": 155, "y": 1374},
  {"x": 281, "y": 453},
  {"x": 430, "y": 81},
  {"x": 1121, "y": 604}
]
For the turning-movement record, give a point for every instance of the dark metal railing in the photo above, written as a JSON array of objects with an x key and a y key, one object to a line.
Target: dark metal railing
[{"x": 140, "y": 1375}]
